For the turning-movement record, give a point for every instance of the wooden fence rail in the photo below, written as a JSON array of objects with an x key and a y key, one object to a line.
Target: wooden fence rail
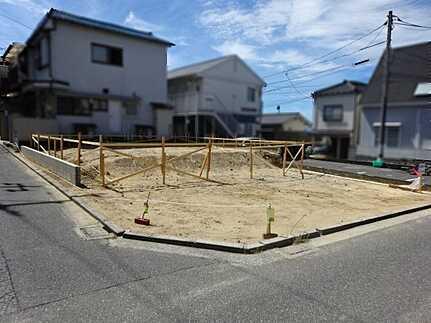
[{"x": 55, "y": 143}]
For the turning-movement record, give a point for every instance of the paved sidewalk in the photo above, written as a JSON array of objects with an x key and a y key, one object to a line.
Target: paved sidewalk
[{"x": 386, "y": 175}]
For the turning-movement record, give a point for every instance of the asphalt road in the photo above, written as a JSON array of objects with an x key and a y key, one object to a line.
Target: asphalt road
[{"x": 49, "y": 273}]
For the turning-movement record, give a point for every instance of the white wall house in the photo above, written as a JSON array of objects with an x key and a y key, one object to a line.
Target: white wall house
[
  {"x": 336, "y": 115},
  {"x": 94, "y": 77},
  {"x": 222, "y": 96}
]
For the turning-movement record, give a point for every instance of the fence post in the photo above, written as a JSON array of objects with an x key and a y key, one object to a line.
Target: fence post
[
  {"x": 302, "y": 159},
  {"x": 61, "y": 147},
  {"x": 55, "y": 147},
  {"x": 49, "y": 145},
  {"x": 101, "y": 161},
  {"x": 38, "y": 142},
  {"x": 210, "y": 146},
  {"x": 284, "y": 159},
  {"x": 163, "y": 162},
  {"x": 78, "y": 154},
  {"x": 251, "y": 160}
]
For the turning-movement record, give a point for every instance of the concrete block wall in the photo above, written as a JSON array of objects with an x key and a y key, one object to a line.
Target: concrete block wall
[{"x": 62, "y": 168}]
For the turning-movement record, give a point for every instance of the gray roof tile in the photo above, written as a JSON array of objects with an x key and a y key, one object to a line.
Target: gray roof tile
[
  {"x": 72, "y": 18},
  {"x": 409, "y": 66}
]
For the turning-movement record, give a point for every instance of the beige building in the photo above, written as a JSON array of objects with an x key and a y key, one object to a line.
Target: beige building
[
  {"x": 336, "y": 114},
  {"x": 289, "y": 125}
]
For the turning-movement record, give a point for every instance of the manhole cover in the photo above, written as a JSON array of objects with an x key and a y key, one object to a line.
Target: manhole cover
[{"x": 92, "y": 232}]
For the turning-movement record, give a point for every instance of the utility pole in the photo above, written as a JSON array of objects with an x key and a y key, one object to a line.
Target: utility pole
[{"x": 386, "y": 76}]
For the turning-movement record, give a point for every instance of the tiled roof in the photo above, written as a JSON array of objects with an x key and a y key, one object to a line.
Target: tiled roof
[
  {"x": 279, "y": 118},
  {"x": 72, "y": 18},
  {"x": 345, "y": 87},
  {"x": 409, "y": 66},
  {"x": 196, "y": 68}
]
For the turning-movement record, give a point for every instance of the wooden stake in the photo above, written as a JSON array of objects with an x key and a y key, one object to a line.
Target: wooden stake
[
  {"x": 209, "y": 158},
  {"x": 302, "y": 160},
  {"x": 251, "y": 160},
  {"x": 38, "y": 142},
  {"x": 78, "y": 153},
  {"x": 163, "y": 162},
  {"x": 101, "y": 161},
  {"x": 284, "y": 160},
  {"x": 203, "y": 164},
  {"x": 61, "y": 147},
  {"x": 49, "y": 145},
  {"x": 293, "y": 161},
  {"x": 55, "y": 147}
]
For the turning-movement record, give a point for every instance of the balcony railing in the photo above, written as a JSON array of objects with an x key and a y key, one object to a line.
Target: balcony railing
[{"x": 189, "y": 102}]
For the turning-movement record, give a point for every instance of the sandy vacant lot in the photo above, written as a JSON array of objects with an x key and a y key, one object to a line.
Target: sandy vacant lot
[{"x": 189, "y": 207}]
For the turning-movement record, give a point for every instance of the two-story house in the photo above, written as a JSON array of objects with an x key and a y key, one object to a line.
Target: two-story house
[
  {"x": 336, "y": 117},
  {"x": 408, "y": 118},
  {"x": 80, "y": 74},
  {"x": 221, "y": 97}
]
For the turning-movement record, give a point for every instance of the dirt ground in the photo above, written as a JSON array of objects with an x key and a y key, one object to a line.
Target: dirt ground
[{"x": 236, "y": 212}]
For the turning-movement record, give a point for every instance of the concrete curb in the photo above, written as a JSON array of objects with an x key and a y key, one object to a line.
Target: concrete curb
[
  {"x": 262, "y": 245},
  {"x": 108, "y": 225},
  {"x": 381, "y": 217},
  {"x": 62, "y": 168}
]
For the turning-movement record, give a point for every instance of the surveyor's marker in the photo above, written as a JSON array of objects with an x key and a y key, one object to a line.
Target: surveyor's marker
[
  {"x": 142, "y": 220},
  {"x": 270, "y": 217}
]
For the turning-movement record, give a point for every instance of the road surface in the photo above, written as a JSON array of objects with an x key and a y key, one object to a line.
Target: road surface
[{"x": 49, "y": 273}]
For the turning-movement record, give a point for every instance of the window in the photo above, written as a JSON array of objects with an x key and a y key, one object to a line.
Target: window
[
  {"x": 249, "y": 109},
  {"x": 73, "y": 106},
  {"x": 141, "y": 130},
  {"x": 44, "y": 52},
  {"x": 41, "y": 53},
  {"x": 99, "y": 105},
  {"x": 106, "y": 55},
  {"x": 251, "y": 94},
  {"x": 392, "y": 136},
  {"x": 130, "y": 107},
  {"x": 333, "y": 113}
]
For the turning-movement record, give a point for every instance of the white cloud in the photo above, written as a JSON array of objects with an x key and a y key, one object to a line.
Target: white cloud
[
  {"x": 319, "y": 23},
  {"x": 280, "y": 34},
  {"x": 138, "y": 23},
  {"x": 243, "y": 50}
]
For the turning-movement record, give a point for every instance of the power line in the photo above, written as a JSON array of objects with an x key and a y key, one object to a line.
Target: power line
[
  {"x": 305, "y": 75},
  {"x": 411, "y": 28},
  {"x": 316, "y": 60},
  {"x": 406, "y": 23},
  {"x": 311, "y": 79},
  {"x": 292, "y": 101},
  {"x": 16, "y": 21},
  {"x": 341, "y": 56}
]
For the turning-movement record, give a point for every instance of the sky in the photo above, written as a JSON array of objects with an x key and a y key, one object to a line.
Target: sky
[{"x": 294, "y": 45}]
